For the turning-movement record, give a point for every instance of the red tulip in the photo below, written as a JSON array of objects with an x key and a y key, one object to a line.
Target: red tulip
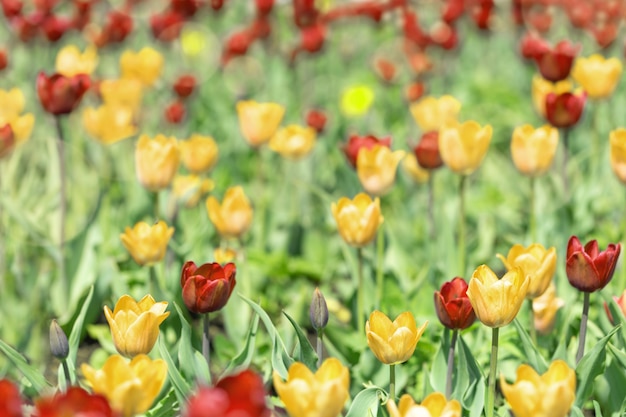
[
  {"x": 313, "y": 37},
  {"x": 621, "y": 302},
  {"x": 316, "y": 119},
  {"x": 184, "y": 85},
  {"x": 118, "y": 26},
  {"x": 555, "y": 64},
  {"x": 580, "y": 14},
  {"x": 10, "y": 400},
  {"x": 60, "y": 94},
  {"x": 453, "y": 306},
  {"x": 54, "y": 27},
  {"x": 26, "y": 27},
  {"x": 564, "y": 110},
  {"x": 355, "y": 143},
  {"x": 385, "y": 69},
  {"x": 187, "y": 8},
  {"x": 452, "y": 10},
  {"x": 4, "y": 61},
  {"x": 175, "y": 112},
  {"x": 427, "y": 151},
  {"x": 264, "y": 7},
  {"x": 242, "y": 395},
  {"x": 414, "y": 91},
  {"x": 7, "y": 140},
  {"x": 74, "y": 402},
  {"x": 11, "y": 8},
  {"x": 166, "y": 26},
  {"x": 587, "y": 268},
  {"x": 532, "y": 46},
  {"x": 207, "y": 288}
]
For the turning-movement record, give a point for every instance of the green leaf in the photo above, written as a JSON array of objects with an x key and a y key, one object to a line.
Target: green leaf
[
  {"x": 32, "y": 374},
  {"x": 439, "y": 366},
  {"x": 597, "y": 409},
  {"x": 167, "y": 407},
  {"x": 366, "y": 402},
  {"x": 178, "y": 381},
  {"x": 306, "y": 353},
  {"x": 473, "y": 398},
  {"x": 74, "y": 341},
  {"x": 618, "y": 354},
  {"x": 533, "y": 356},
  {"x": 576, "y": 412},
  {"x": 186, "y": 352},
  {"x": 243, "y": 359}
]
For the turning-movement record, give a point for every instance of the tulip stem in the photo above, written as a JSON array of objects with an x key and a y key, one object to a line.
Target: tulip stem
[
  {"x": 431, "y": 204},
  {"x": 455, "y": 334},
  {"x": 532, "y": 222},
  {"x": 491, "y": 391},
  {"x": 359, "y": 294},
  {"x": 206, "y": 352},
  {"x": 66, "y": 372},
  {"x": 595, "y": 139},
  {"x": 565, "y": 159},
  {"x": 532, "y": 330},
  {"x": 380, "y": 252},
  {"x": 155, "y": 202},
  {"x": 320, "y": 347},
  {"x": 392, "y": 382},
  {"x": 62, "y": 202},
  {"x": 461, "y": 242},
  {"x": 583, "y": 328}
]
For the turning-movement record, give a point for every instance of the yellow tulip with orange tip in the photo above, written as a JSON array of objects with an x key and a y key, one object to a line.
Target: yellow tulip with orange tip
[
  {"x": 597, "y": 75},
  {"x": 545, "y": 308},
  {"x": 130, "y": 387},
  {"x": 198, "y": 153},
  {"x": 393, "y": 342},
  {"x": 233, "y": 217},
  {"x": 189, "y": 189},
  {"x": 357, "y": 219},
  {"x": 496, "y": 302},
  {"x": 156, "y": 161},
  {"x": 434, "y": 405},
  {"x": 431, "y": 113},
  {"x": 463, "y": 146},
  {"x": 617, "y": 139},
  {"x": 533, "y": 149},
  {"x": 12, "y": 103},
  {"x": 549, "y": 395},
  {"x": 126, "y": 92},
  {"x": 376, "y": 168},
  {"x": 135, "y": 325},
  {"x": 109, "y": 123},
  {"x": 145, "y": 65},
  {"x": 319, "y": 394},
  {"x": 536, "y": 262},
  {"x": 541, "y": 88},
  {"x": 293, "y": 141},
  {"x": 145, "y": 243},
  {"x": 259, "y": 121}
]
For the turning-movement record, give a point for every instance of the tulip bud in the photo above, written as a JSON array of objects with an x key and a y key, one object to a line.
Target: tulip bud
[
  {"x": 59, "y": 346},
  {"x": 175, "y": 112},
  {"x": 427, "y": 151},
  {"x": 3, "y": 59},
  {"x": 184, "y": 86},
  {"x": 318, "y": 313},
  {"x": 7, "y": 140}
]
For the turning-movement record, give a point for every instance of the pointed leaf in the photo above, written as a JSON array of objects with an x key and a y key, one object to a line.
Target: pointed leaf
[
  {"x": 178, "y": 381},
  {"x": 533, "y": 356},
  {"x": 307, "y": 354},
  {"x": 32, "y": 374},
  {"x": 186, "y": 352},
  {"x": 366, "y": 402},
  {"x": 74, "y": 341},
  {"x": 244, "y": 358}
]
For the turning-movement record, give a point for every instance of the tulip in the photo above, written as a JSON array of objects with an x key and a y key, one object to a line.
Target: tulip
[
  {"x": 233, "y": 217},
  {"x": 393, "y": 342},
  {"x": 356, "y": 100},
  {"x": 533, "y": 46},
  {"x": 109, "y": 123},
  {"x": 208, "y": 287},
  {"x": 131, "y": 387},
  {"x": 59, "y": 345},
  {"x": 587, "y": 268},
  {"x": 145, "y": 65},
  {"x": 71, "y": 62},
  {"x": 415, "y": 170},
  {"x": 259, "y": 121},
  {"x": 358, "y": 219},
  {"x": 10, "y": 400},
  {"x": 541, "y": 88},
  {"x": 293, "y": 141},
  {"x": 199, "y": 153},
  {"x": 617, "y": 139},
  {"x": 621, "y": 303},
  {"x": 184, "y": 86},
  {"x": 74, "y": 402},
  {"x": 549, "y": 395},
  {"x": 434, "y": 405},
  {"x": 135, "y": 325},
  {"x": 555, "y": 64},
  {"x": 7, "y": 140},
  {"x": 4, "y": 60},
  {"x": 464, "y": 146},
  {"x": 544, "y": 309},
  {"x": 322, "y": 394},
  {"x": 427, "y": 151},
  {"x": 597, "y": 76},
  {"x": 175, "y": 112},
  {"x": 564, "y": 110},
  {"x": 59, "y": 94},
  {"x": 147, "y": 244},
  {"x": 223, "y": 256},
  {"x": 376, "y": 168},
  {"x": 452, "y": 305},
  {"x": 316, "y": 119},
  {"x": 432, "y": 113},
  {"x": 189, "y": 189},
  {"x": 156, "y": 161},
  {"x": 533, "y": 149},
  {"x": 537, "y": 263},
  {"x": 125, "y": 92},
  {"x": 12, "y": 104},
  {"x": 354, "y": 145},
  {"x": 118, "y": 26}
]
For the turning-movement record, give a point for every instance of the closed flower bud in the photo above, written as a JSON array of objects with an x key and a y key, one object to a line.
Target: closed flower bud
[
  {"x": 316, "y": 119},
  {"x": 259, "y": 121},
  {"x": 293, "y": 141},
  {"x": 145, "y": 65},
  {"x": 544, "y": 310},
  {"x": 533, "y": 149},
  {"x": 376, "y": 168},
  {"x": 208, "y": 287},
  {"x": 464, "y": 146},
  {"x": 70, "y": 61},
  {"x": 233, "y": 217},
  {"x": 175, "y": 112},
  {"x": 537, "y": 263},
  {"x": 564, "y": 110},
  {"x": 184, "y": 86},
  {"x": 617, "y": 139},
  {"x": 147, "y": 244},
  {"x": 434, "y": 405},
  {"x": 597, "y": 75},
  {"x": 393, "y": 342},
  {"x": 452, "y": 305},
  {"x": 199, "y": 153},
  {"x": 318, "y": 313},
  {"x": 621, "y": 303},
  {"x": 589, "y": 269},
  {"x": 59, "y": 346},
  {"x": 555, "y": 63},
  {"x": 427, "y": 151},
  {"x": 358, "y": 219},
  {"x": 156, "y": 161},
  {"x": 432, "y": 113}
]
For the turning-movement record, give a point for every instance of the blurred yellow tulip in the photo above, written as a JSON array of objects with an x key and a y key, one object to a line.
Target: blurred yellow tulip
[
  {"x": 224, "y": 256},
  {"x": 131, "y": 387},
  {"x": 496, "y": 302},
  {"x": 617, "y": 139},
  {"x": 126, "y": 92},
  {"x": 145, "y": 65},
  {"x": 533, "y": 149},
  {"x": 358, "y": 219},
  {"x": 356, "y": 100},
  {"x": 109, "y": 123},
  {"x": 233, "y": 217},
  {"x": 322, "y": 394},
  {"x": 293, "y": 141},
  {"x": 463, "y": 146},
  {"x": 135, "y": 325},
  {"x": 412, "y": 167},
  {"x": 147, "y": 244},
  {"x": 549, "y": 395},
  {"x": 156, "y": 161},
  {"x": 434, "y": 405},
  {"x": 199, "y": 153},
  {"x": 541, "y": 88},
  {"x": 70, "y": 61},
  {"x": 597, "y": 75},
  {"x": 544, "y": 309},
  {"x": 189, "y": 189},
  {"x": 537, "y": 263},
  {"x": 12, "y": 104},
  {"x": 259, "y": 121},
  {"x": 431, "y": 113},
  {"x": 393, "y": 342},
  {"x": 376, "y": 168}
]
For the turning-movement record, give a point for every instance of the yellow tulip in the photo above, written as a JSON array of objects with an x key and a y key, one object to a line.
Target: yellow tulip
[
  {"x": 135, "y": 325},
  {"x": 147, "y": 244},
  {"x": 549, "y": 395},
  {"x": 597, "y": 75},
  {"x": 189, "y": 189},
  {"x": 131, "y": 387},
  {"x": 463, "y": 146},
  {"x": 224, "y": 256},
  {"x": 70, "y": 61},
  {"x": 126, "y": 92},
  {"x": 541, "y": 88},
  {"x": 12, "y": 104},
  {"x": 496, "y": 302},
  {"x": 537, "y": 263},
  {"x": 109, "y": 123},
  {"x": 145, "y": 65},
  {"x": 617, "y": 139},
  {"x": 259, "y": 121},
  {"x": 434, "y": 405},
  {"x": 233, "y": 217},
  {"x": 357, "y": 100},
  {"x": 322, "y": 394},
  {"x": 533, "y": 149},
  {"x": 156, "y": 161},
  {"x": 376, "y": 168},
  {"x": 199, "y": 153},
  {"x": 393, "y": 342},
  {"x": 358, "y": 219},
  {"x": 544, "y": 309},
  {"x": 431, "y": 113},
  {"x": 413, "y": 168},
  {"x": 293, "y": 141}
]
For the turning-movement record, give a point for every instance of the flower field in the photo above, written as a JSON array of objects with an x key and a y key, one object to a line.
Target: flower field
[{"x": 312, "y": 208}]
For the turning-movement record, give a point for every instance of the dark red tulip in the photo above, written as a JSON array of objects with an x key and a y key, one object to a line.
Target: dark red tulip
[
  {"x": 427, "y": 151},
  {"x": 355, "y": 143},
  {"x": 187, "y": 8},
  {"x": 264, "y": 7},
  {"x": 7, "y": 140},
  {"x": 587, "y": 268},
  {"x": 4, "y": 60},
  {"x": 118, "y": 26},
  {"x": 74, "y": 402},
  {"x": 533, "y": 47},
  {"x": 481, "y": 13},
  {"x": 11, "y": 8},
  {"x": 59, "y": 94},
  {"x": 313, "y": 37},
  {"x": 236, "y": 45},
  {"x": 26, "y": 27},
  {"x": 453, "y": 306},
  {"x": 241, "y": 395},
  {"x": 207, "y": 288},
  {"x": 452, "y": 10},
  {"x": 166, "y": 26},
  {"x": 175, "y": 112},
  {"x": 564, "y": 110},
  {"x": 184, "y": 85},
  {"x": 555, "y": 64},
  {"x": 54, "y": 27},
  {"x": 316, "y": 119},
  {"x": 413, "y": 31},
  {"x": 10, "y": 399}
]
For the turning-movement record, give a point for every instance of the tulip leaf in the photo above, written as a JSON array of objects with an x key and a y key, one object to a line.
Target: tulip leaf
[
  {"x": 243, "y": 359},
  {"x": 618, "y": 317},
  {"x": 32, "y": 374},
  {"x": 473, "y": 398},
  {"x": 74, "y": 340},
  {"x": 178, "y": 381},
  {"x": 303, "y": 352},
  {"x": 576, "y": 412},
  {"x": 533, "y": 356},
  {"x": 618, "y": 354},
  {"x": 187, "y": 361},
  {"x": 590, "y": 366},
  {"x": 597, "y": 409},
  {"x": 366, "y": 403},
  {"x": 164, "y": 407},
  {"x": 439, "y": 369}
]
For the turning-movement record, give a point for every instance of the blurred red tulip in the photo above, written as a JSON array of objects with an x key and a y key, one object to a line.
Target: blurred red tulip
[
  {"x": 54, "y": 27},
  {"x": 452, "y": 10},
  {"x": 74, "y": 402},
  {"x": 355, "y": 143},
  {"x": 166, "y": 26},
  {"x": 59, "y": 94},
  {"x": 118, "y": 26},
  {"x": 540, "y": 19},
  {"x": 414, "y": 91},
  {"x": 427, "y": 151},
  {"x": 305, "y": 13},
  {"x": 45, "y": 6},
  {"x": 605, "y": 35},
  {"x": 580, "y": 14},
  {"x": 621, "y": 303},
  {"x": 385, "y": 69},
  {"x": 481, "y": 12},
  {"x": 26, "y": 27},
  {"x": 453, "y": 306},
  {"x": 555, "y": 64},
  {"x": 237, "y": 44},
  {"x": 7, "y": 141},
  {"x": 208, "y": 287},
  {"x": 261, "y": 27},
  {"x": 532, "y": 46},
  {"x": 175, "y": 112},
  {"x": 313, "y": 37},
  {"x": 10, "y": 399},
  {"x": 444, "y": 35},
  {"x": 316, "y": 119},
  {"x": 587, "y": 268},
  {"x": 11, "y": 8},
  {"x": 413, "y": 31},
  {"x": 217, "y": 4},
  {"x": 564, "y": 110},
  {"x": 264, "y": 7},
  {"x": 187, "y": 8},
  {"x": 184, "y": 85},
  {"x": 4, "y": 60}
]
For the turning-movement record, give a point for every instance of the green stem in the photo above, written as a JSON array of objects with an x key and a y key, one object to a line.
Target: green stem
[
  {"x": 392, "y": 382},
  {"x": 532, "y": 222},
  {"x": 320, "y": 347},
  {"x": 380, "y": 253},
  {"x": 155, "y": 203},
  {"x": 583, "y": 328},
  {"x": 62, "y": 203},
  {"x": 206, "y": 352},
  {"x": 595, "y": 155},
  {"x": 533, "y": 331},
  {"x": 455, "y": 334},
  {"x": 461, "y": 241},
  {"x": 66, "y": 372},
  {"x": 565, "y": 136},
  {"x": 431, "y": 204},
  {"x": 360, "y": 289},
  {"x": 153, "y": 282},
  {"x": 491, "y": 391}
]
